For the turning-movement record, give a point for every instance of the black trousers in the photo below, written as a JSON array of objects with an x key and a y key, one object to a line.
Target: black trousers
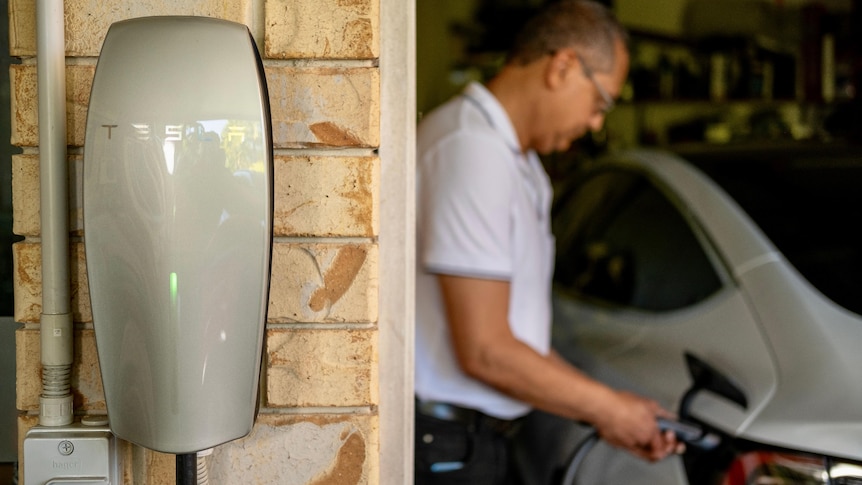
[{"x": 455, "y": 453}]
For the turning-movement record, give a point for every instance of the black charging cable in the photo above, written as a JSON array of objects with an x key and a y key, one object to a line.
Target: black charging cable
[
  {"x": 689, "y": 433},
  {"x": 581, "y": 451},
  {"x": 187, "y": 469}
]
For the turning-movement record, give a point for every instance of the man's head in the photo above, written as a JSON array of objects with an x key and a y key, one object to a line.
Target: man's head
[
  {"x": 584, "y": 25},
  {"x": 572, "y": 61}
]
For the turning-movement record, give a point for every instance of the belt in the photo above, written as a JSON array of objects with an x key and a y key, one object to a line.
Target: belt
[{"x": 467, "y": 417}]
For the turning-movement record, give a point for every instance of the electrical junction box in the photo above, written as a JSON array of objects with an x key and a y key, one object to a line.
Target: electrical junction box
[{"x": 77, "y": 454}]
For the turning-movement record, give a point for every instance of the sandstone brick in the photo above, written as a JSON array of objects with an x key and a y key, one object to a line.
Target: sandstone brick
[
  {"x": 334, "y": 29},
  {"x": 26, "y": 195},
  {"x": 24, "y": 100},
  {"x": 86, "y": 374},
  {"x": 301, "y": 449},
  {"x": 323, "y": 283},
  {"x": 27, "y": 278},
  {"x": 148, "y": 467},
  {"x": 324, "y": 107},
  {"x": 321, "y": 367},
  {"x": 86, "y": 380},
  {"x": 76, "y": 194},
  {"x": 28, "y": 368},
  {"x": 22, "y": 28},
  {"x": 310, "y": 107},
  {"x": 87, "y": 22},
  {"x": 81, "y": 310},
  {"x": 25, "y": 103},
  {"x": 326, "y": 196},
  {"x": 79, "y": 80}
]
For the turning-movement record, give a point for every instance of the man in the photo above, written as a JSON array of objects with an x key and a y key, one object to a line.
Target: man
[{"x": 485, "y": 254}]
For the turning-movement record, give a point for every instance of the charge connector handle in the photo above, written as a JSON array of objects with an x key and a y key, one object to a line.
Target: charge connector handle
[{"x": 689, "y": 433}]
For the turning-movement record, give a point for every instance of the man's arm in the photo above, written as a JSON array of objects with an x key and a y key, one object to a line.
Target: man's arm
[{"x": 486, "y": 349}]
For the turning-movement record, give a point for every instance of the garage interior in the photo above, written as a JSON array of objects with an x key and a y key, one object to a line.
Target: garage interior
[{"x": 702, "y": 71}]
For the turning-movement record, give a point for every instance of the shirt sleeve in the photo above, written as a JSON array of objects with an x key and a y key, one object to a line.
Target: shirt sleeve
[{"x": 465, "y": 218}]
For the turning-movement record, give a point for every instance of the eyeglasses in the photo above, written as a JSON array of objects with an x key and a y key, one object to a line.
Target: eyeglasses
[{"x": 606, "y": 97}]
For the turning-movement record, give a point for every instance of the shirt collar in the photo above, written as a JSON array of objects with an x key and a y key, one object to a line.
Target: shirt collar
[{"x": 495, "y": 113}]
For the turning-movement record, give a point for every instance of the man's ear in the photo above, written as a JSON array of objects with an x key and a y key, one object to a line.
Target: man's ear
[{"x": 560, "y": 66}]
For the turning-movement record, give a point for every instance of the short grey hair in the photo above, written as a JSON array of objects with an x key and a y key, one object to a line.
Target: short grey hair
[{"x": 585, "y": 25}]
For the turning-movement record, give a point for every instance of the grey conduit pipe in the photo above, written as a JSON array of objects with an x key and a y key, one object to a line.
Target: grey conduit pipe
[{"x": 56, "y": 321}]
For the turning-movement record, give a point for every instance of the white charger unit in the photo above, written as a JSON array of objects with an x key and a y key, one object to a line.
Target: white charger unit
[{"x": 178, "y": 229}]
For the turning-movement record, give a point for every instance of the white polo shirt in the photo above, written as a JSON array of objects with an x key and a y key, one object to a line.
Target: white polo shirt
[{"x": 483, "y": 212}]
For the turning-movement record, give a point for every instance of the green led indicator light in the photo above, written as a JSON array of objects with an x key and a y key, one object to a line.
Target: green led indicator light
[{"x": 173, "y": 290}]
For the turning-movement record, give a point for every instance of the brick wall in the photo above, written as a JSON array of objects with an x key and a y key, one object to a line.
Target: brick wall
[{"x": 319, "y": 420}]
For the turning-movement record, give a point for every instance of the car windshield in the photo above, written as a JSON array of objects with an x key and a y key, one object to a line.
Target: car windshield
[{"x": 806, "y": 200}]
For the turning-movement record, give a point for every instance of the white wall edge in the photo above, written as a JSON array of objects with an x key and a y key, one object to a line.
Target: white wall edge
[{"x": 397, "y": 238}]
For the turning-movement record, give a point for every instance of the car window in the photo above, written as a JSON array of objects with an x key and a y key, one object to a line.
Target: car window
[
  {"x": 807, "y": 203},
  {"x": 620, "y": 241}
]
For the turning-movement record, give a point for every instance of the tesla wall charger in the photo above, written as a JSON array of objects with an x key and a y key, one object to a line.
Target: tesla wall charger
[{"x": 177, "y": 228}]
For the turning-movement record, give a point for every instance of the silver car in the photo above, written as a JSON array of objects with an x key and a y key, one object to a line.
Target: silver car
[{"x": 729, "y": 290}]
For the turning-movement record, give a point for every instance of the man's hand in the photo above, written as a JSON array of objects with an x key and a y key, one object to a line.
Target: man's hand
[{"x": 630, "y": 423}]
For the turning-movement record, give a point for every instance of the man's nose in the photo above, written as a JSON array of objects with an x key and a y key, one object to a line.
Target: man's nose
[{"x": 597, "y": 120}]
